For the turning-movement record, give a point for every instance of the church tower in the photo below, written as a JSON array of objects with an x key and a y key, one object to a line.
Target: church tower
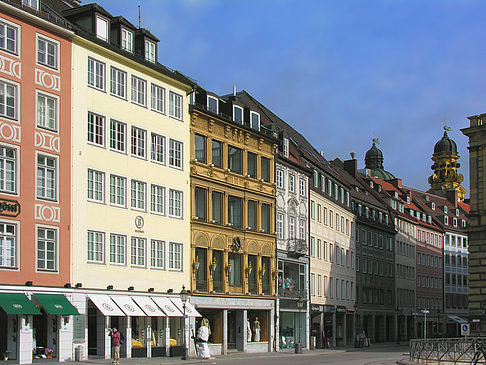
[
  {"x": 374, "y": 163},
  {"x": 445, "y": 177}
]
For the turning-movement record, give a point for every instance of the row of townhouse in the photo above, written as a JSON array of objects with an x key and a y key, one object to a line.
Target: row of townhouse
[{"x": 124, "y": 182}]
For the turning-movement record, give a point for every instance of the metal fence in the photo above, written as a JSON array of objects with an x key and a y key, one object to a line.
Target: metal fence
[{"x": 449, "y": 351}]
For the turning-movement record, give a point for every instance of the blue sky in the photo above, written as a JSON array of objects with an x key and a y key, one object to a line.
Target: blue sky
[{"x": 337, "y": 71}]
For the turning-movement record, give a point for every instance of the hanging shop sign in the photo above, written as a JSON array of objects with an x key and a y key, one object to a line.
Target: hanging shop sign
[
  {"x": 329, "y": 308},
  {"x": 341, "y": 309},
  {"x": 9, "y": 208},
  {"x": 317, "y": 308}
]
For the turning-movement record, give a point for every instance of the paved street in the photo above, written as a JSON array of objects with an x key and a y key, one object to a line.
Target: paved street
[{"x": 382, "y": 354}]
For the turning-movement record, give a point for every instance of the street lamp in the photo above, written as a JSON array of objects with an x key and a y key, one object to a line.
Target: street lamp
[
  {"x": 425, "y": 312},
  {"x": 184, "y": 296},
  {"x": 298, "y": 345}
]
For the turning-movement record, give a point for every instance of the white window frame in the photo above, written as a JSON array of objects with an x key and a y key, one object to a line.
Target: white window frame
[
  {"x": 280, "y": 226},
  {"x": 157, "y": 148},
  {"x": 99, "y": 21},
  {"x": 209, "y": 97},
  {"x": 173, "y": 210},
  {"x": 138, "y": 252},
  {"x": 302, "y": 187},
  {"x": 115, "y": 188},
  {"x": 150, "y": 51},
  {"x": 94, "y": 251},
  {"x": 176, "y": 155},
  {"x": 6, "y": 237},
  {"x": 118, "y": 82},
  {"x": 176, "y": 263},
  {"x": 56, "y": 177},
  {"x": 157, "y": 96},
  {"x": 4, "y": 159},
  {"x": 16, "y": 40},
  {"x": 116, "y": 132},
  {"x": 242, "y": 114},
  {"x": 94, "y": 186},
  {"x": 156, "y": 252},
  {"x": 42, "y": 118},
  {"x": 96, "y": 129},
  {"x": 292, "y": 183},
  {"x": 138, "y": 142},
  {"x": 4, "y": 84},
  {"x": 138, "y": 196},
  {"x": 116, "y": 249},
  {"x": 127, "y": 42},
  {"x": 157, "y": 200},
  {"x": 96, "y": 79},
  {"x": 280, "y": 179},
  {"x": 286, "y": 147},
  {"x": 176, "y": 110},
  {"x": 252, "y": 113},
  {"x": 138, "y": 91},
  {"x": 47, "y": 42},
  {"x": 56, "y": 249}
]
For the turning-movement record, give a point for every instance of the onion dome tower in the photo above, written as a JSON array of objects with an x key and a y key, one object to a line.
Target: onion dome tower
[
  {"x": 445, "y": 177},
  {"x": 374, "y": 163}
]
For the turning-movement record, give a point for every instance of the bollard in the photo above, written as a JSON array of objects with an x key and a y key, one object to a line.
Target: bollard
[{"x": 298, "y": 348}]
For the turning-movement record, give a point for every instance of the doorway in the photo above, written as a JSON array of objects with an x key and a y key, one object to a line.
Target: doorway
[{"x": 231, "y": 320}]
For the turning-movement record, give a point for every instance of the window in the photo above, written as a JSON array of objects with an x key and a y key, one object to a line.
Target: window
[
  {"x": 330, "y": 219},
  {"x": 150, "y": 51},
  {"x": 200, "y": 198},
  {"x": 235, "y": 275},
  {"x": 175, "y": 105},
  {"x": 280, "y": 226},
  {"x": 213, "y": 104},
  {"x": 319, "y": 285},
  {"x": 324, "y": 216},
  {"x": 255, "y": 120},
  {"x": 237, "y": 114},
  {"x": 265, "y": 169},
  {"x": 280, "y": 179},
  {"x": 8, "y": 37},
  {"x": 96, "y": 129},
  {"x": 292, "y": 227},
  {"x": 46, "y": 177},
  {"x": 8, "y": 100},
  {"x": 234, "y": 159},
  {"x": 96, "y": 246},
  {"x": 137, "y": 251},
  {"x": 47, "y": 52},
  {"x": 175, "y": 256},
  {"x": 157, "y": 152},
  {"x": 96, "y": 74},
  {"x": 175, "y": 153},
  {"x": 216, "y": 150},
  {"x": 96, "y": 186},
  {"x": 302, "y": 234},
  {"x": 127, "y": 40},
  {"x": 157, "y": 199},
  {"x": 102, "y": 28},
  {"x": 315, "y": 180},
  {"x": 138, "y": 142},
  {"x": 8, "y": 170},
  {"x": 46, "y": 249},
  {"x": 292, "y": 183},
  {"x": 302, "y": 187},
  {"x": 217, "y": 207},
  {"x": 139, "y": 90},
  {"x": 285, "y": 147},
  {"x": 252, "y": 164},
  {"x": 319, "y": 249},
  {"x": 118, "y": 82},
  {"x": 266, "y": 218},
  {"x": 118, "y": 188},
  {"x": 312, "y": 209},
  {"x": 157, "y": 254},
  {"x": 200, "y": 148},
  {"x": 235, "y": 211},
  {"x": 313, "y": 284},
  {"x": 138, "y": 191},
  {"x": 8, "y": 245},
  {"x": 157, "y": 98},
  {"x": 118, "y": 132},
  {"x": 312, "y": 249},
  {"x": 118, "y": 247},
  {"x": 175, "y": 203}
]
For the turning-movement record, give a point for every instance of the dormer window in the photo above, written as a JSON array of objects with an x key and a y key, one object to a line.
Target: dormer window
[
  {"x": 150, "y": 51},
  {"x": 463, "y": 223},
  {"x": 454, "y": 222},
  {"x": 423, "y": 216},
  {"x": 32, "y": 3},
  {"x": 445, "y": 209},
  {"x": 408, "y": 199},
  {"x": 380, "y": 216},
  {"x": 213, "y": 104},
  {"x": 432, "y": 206},
  {"x": 314, "y": 178},
  {"x": 127, "y": 40},
  {"x": 457, "y": 212},
  {"x": 102, "y": 28},
  {"x": 367, "y": 212},
  {"x": 429, "y": 219},
  {"x": 386, "y": 218},
  {"x": 396, "y": 194},
  {"x": 417, "y": 215},
  {"x": 286, "y": 148},
  {"x": 255, "y": 120},
  {"x": 446, "y": 220},
  {"x": 371, "y": 184},
  {"x": 411, "y": 212},
  {"x": 237, "y": 114}
]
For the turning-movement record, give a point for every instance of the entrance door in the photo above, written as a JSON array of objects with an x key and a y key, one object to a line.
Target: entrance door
[
  {"x": 92, "y": 331},
  {"x": 3, "y": 332},
  {"x": 231, "y": 330}
]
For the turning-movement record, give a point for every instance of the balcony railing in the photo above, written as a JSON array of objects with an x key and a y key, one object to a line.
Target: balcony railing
[
  {"x": 297, "y": 247},
  {"x": 292, "y": 293}
]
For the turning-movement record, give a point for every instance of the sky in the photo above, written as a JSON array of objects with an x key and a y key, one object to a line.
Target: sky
[{"x": 340, "y": 72}]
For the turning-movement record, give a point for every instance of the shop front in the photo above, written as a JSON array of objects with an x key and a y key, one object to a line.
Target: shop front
[
  {"x": 317, "y": 324},
  {"x": 292, "y": 323},
  {"x": 330, "y": 332}
]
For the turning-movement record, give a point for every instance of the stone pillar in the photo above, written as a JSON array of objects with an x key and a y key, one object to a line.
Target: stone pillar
[
  {"x": 334, "y": 330},
  {"x": 384, "y": 331},
  {"x": 240, "y": 339},
  {"x": 271, "y": 335},
  {"x": 276, "y": 322},
  {"x": 25, "y": 340},
  {"x": 128, "y": 337},
  {"x": 64, "y": 338},
  {"x": 225, "y": 332},
  {"x": 371, "y": 328},
  {"x": 397, "y": 330},
  {"x": 244, "y": 331},
  {"x": 321, "y": 327},
  {"x": 148, "y": 336},
  {"x": 167, "y": 337},
  {"x": 405, "y": 329},
  {"x": 345, "y": 330}
]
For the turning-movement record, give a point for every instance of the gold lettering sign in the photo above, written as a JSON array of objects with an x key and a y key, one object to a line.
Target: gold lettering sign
[{"x": 9, "y": 208}]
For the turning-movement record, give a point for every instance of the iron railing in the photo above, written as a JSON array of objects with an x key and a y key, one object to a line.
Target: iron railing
[
  {"x": 292, "y": 293},
  {"x": 449, "y": 351},
  {"x": 297, "y": 247}
]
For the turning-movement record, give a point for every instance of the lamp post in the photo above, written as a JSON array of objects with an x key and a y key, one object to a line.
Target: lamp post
[
  {"x": 425, "y": 312},
  {"x": 184, "y": 296},
  {"x": 298, "y": 345}
]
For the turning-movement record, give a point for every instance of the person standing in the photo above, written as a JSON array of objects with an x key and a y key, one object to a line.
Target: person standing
[{"x": 115, "y": 345}]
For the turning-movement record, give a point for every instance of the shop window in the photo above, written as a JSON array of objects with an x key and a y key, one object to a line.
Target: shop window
[
  {"x": 252, "y": 165},
  {"x": 252, "y": 215},
  {"x": 217, "y": 207},
  {"x": 201, "y": 273},
  {"x": 234, "y": 260},
  {"x": 217, "y": 266},
  {"x": 252, "y": 277},
  {"x": 234, "y": 159},
  {"x": 200, "y": 204},
  {"x": 200, "y": 148},
  {"x": 216, "y": 153}
]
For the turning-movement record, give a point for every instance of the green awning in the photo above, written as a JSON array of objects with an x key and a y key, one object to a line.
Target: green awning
[
  {"x": 17, "y": 303},
  {"x": 56, "y": 304}
]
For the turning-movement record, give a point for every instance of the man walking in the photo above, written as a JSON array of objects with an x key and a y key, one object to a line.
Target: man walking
[{"x": 115, "y": 345}]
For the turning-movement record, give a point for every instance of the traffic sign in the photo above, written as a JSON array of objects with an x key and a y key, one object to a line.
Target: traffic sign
[{"x": 465, "y": 329}]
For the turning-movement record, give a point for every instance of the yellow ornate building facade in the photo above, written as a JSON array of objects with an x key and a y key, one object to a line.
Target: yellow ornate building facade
[{"x": 232, "y": 222}]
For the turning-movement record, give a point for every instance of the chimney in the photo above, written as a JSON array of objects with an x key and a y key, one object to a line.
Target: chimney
[
  {"x": 452, "y": 197},
  {"x": 234, "y": 90},
  {"x": 397, "y": 182},
  {"x": 351, "y": 166}
]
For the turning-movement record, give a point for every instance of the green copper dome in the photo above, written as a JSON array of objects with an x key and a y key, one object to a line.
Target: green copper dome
[
  {"x": 374, "y": 163},
  {"x": 445, "y": 145}
]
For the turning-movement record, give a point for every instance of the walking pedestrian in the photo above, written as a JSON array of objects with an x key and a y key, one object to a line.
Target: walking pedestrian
[{"x": 115, "y": 345}]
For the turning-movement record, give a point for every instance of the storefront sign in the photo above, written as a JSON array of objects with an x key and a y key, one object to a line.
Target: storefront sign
[
  {"x": 341, "y": 309},
  {"x": 329, "y": 309},
  {"x": 317, "y": 308},
  {"x": 9, "y": 208}
]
